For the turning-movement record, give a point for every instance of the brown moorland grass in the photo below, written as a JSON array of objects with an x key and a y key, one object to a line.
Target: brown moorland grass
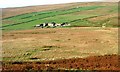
[
  {"x": 100, "y": 18},
  {"x": 59, "y": 43}
]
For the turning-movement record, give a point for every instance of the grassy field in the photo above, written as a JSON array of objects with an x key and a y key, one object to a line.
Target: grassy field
[{"x": 76, "y": 16}]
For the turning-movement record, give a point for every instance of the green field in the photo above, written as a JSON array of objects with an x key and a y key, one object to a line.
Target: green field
[{"x": 76, "y": 16}]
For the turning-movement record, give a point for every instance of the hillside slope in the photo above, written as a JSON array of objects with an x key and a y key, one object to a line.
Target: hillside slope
[
  {"x": 77, "y": 14},
  {"x": 8, "y": 12}
]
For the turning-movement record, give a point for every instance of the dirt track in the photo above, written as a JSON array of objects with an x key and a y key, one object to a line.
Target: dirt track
[{"x": 107, "y": 62}]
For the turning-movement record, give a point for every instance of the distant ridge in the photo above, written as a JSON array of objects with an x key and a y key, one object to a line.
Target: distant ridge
[{"x": 8, "y": 12}]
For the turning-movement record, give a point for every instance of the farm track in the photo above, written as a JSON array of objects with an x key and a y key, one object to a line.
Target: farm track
[{"x": 106, "y": 62}]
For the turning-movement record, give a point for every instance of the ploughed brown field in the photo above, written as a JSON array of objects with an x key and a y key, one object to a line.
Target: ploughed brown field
[{"x": 82, "y": 48}]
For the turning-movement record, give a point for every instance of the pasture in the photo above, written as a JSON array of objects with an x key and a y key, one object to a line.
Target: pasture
[{"x": 76, "y": 16}]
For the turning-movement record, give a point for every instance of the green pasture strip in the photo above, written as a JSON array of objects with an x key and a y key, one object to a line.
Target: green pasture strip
[
  {"x": 30, "y": 15},
  {"x": 81, "y": 23},
  {"x": 58, "y": 13},
  {"x": 64, "y": 18},
  {"x": 67, "y": 18},
  {"x": 19, "y": 18},
  {"x": 72, "y": 19},
  {"x": 18, "y": 27},
  {"x": 57, "y": 18},
  {"x": 84, "y": 22},
  {"x": 46, "y": 12},
  {"x": 39, "y": 13},
  {"x": 25, "y": 15}
]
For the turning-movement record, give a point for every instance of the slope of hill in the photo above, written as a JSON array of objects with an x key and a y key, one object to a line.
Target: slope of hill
[
  {"x": 82, "y": 46},
  {"x": 77, "y": 14},
  {"x": 8, "y": 12}
]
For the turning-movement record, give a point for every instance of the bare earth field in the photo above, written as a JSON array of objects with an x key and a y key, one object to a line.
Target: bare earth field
[{"x": 80, "y": 48}]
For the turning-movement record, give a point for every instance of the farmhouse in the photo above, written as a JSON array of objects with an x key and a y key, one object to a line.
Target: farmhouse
[{"x": 52, "y": 25}]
